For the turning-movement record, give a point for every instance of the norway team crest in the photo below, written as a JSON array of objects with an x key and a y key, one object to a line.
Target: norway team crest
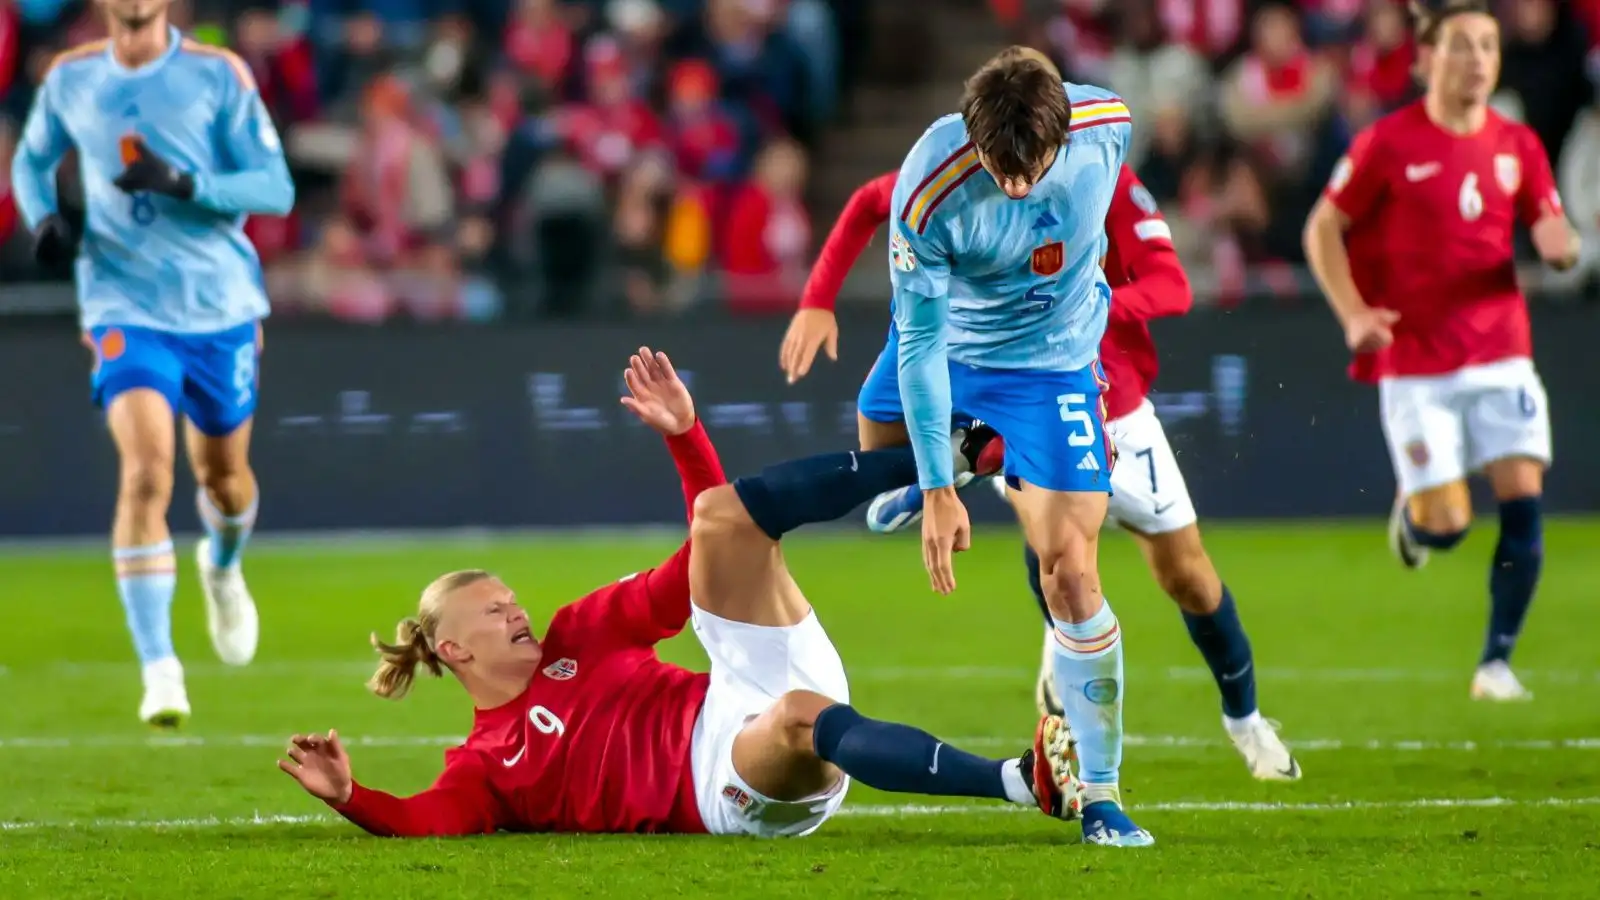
[
  {"x": 1508, "y": 171},
  {"x": 1048, "y": 258},
  {"x": 561, "y": 670}
]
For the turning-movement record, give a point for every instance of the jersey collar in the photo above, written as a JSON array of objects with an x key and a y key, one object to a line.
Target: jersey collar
[{"x": 174, "y": 43}]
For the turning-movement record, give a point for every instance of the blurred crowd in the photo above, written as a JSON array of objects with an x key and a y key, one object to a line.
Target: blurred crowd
[
  {"x": 1242, "y": 109},
  {"x": 523, "y": 158},
  {"x": 590, "y": 152}
]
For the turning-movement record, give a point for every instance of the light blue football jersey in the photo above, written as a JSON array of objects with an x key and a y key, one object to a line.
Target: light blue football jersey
[
  {"x": 983, "y": 280},
  {"x": 146, "y": 260}
]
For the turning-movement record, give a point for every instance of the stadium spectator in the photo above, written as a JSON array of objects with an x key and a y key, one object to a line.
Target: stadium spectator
[
  {"x": 1382, "y": 66},
  {"x": 767, "y": 234},
  {"x": 540, "y": 42},
  {"x": 1152, "y": 73},
  {"x": 701, "y": 130},
  {"x": 1542, "y": 80},
  {"x": 395, "y": 189},
  {"x": 1277, "y": 96},
  {"x": 613, "y": 125}
]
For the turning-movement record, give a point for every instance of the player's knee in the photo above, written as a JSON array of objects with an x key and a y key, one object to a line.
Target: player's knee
[
  {"x": 1443, "y": 512},
  {"x": 796, "y": 714},
  {"x": 1066, "y": 567},
  {"x": 719, "y": 513},
  {"x": 146, "y": 483}
]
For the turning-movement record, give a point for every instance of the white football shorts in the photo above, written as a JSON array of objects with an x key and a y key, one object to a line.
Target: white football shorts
[
  {"x": 751, "y": 667},
  {"x": 1148, "y": 493},
  {"x": 1441, "y": 428}
]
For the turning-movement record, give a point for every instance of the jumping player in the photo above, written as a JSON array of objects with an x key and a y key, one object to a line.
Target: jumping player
[
  {"x": 1000, "y": 304},
  {"x": 1412, "y": 244},
  {"x": 176, "y": 150},
  {"x": 1149, "y": 498},
  {"x": 588, "y": 731}
]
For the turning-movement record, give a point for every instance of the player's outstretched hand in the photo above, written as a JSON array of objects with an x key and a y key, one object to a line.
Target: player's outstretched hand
[
  {"x": 946, "y": 531},
  {"x": 321, "y": 766},
  {"x": 1556, "y": 241},
  {"x": 1370, "y": 330},
  {"x": 658, "y": 397},
  {"x": 809, "y": 331},
  {"x": 143, "y": 171}
]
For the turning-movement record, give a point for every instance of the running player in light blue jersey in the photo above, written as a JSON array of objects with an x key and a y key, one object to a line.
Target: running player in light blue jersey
[
  {"x": 1000, "y": 303},
  {"x": 176, "y": 150}
]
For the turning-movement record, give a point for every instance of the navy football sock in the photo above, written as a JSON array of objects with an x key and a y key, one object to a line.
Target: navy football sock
[
  {"x": 902, "y": 759},
  {"x": 1036, "y": 583},
  {"x": 822, "y": 488},
  {"x": 1220, "y": 638},
  {"x": 1514, "y": 575}
]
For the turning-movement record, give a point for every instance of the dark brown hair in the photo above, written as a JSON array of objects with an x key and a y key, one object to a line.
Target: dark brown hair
[
  {"x": 1428, "y": 16},
  {"x": 1016, "y": 112}
]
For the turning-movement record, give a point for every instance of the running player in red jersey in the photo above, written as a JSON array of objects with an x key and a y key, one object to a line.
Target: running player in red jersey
[
  {"x": 1413, "y": 245},
  {"x": 589, "y": 731},
  {"x": 1149, "y": 498}
]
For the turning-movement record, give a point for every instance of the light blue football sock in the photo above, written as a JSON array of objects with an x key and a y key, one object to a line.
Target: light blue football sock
[
  {"x": 1088, "y": 679},
  {"x": 146, "y": 580}
]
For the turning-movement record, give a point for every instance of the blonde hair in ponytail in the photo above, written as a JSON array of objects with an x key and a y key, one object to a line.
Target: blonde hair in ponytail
[{"x": 414, "y": 641}]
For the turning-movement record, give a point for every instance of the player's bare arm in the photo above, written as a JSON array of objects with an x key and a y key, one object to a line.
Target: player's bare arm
[
  {"x": 1366, "y": 329},
  {"x": 1556, "y": 241}
]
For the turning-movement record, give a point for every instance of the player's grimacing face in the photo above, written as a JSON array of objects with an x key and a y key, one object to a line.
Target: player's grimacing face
[
  {"x": 1466, "y": 57},
  {"x": 485, "y": 622}
]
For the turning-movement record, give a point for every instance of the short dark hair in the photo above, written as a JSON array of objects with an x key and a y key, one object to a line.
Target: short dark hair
[
  {"x": 1016, "y": 112},
  {"x": 1428, "y": 16}
]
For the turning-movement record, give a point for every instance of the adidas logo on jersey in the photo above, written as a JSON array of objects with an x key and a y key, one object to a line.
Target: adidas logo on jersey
[
  {"x": 1045, "y": 220},
  {"x": 1089, "y": 463}
]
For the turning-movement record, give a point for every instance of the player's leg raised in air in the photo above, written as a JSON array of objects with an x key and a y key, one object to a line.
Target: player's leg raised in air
[
  {"x": 219, "y": 403},
  {"x": 1490, "y": 419},
  {"x": 1151, "y": 501},
  {"x": 780, "y": 739},
  {"x": 1058, "y": 461}
]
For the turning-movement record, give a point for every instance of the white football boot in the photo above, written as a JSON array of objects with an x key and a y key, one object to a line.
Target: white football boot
[
  {"x": 1265, "y": 754},
  {"x": 1411, "y": 554},
  {"x": 230, "y": 611},
  {"x": 1497, "y": 683},
  {"x": 166, "y": 702},
  {"x": 1044, "y": 691}
]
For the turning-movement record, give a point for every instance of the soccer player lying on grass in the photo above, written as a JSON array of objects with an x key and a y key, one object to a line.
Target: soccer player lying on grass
[{"x": 588, "y": 731}]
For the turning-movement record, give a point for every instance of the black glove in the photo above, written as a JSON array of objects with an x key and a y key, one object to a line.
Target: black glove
[
  {"x": 54, "y": 245},
  {"x": 148, "y": 172}
]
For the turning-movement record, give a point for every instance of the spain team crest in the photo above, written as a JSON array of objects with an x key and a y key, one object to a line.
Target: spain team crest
[
  {"x": 1508, "y": 171},
  {"x": 1049, "y": 258}
]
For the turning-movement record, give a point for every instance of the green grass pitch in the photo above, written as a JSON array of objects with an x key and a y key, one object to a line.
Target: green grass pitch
[{"x": 1410, "y": 788}]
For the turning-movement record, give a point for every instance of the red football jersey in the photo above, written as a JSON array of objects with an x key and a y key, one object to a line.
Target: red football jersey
[
  {"x": 1432, "y": 220},
  {"x": 1147, "y": 282},
  {"x": 600, "y": 741},
  {"x": 1142, "y": 267}
]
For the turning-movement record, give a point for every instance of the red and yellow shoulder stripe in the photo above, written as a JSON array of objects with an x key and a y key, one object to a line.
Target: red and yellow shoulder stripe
[
  {"x": 82, "y": 51},
  {"x": 945, "y": 178},
  {"x": 240, "y": 69},
  {"x": 1105, "y": 111}
]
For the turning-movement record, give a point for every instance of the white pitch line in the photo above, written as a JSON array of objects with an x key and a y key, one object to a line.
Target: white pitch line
[
  {"x": 1158, "y": 741},
  {"x": 879, "y": 811}
]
